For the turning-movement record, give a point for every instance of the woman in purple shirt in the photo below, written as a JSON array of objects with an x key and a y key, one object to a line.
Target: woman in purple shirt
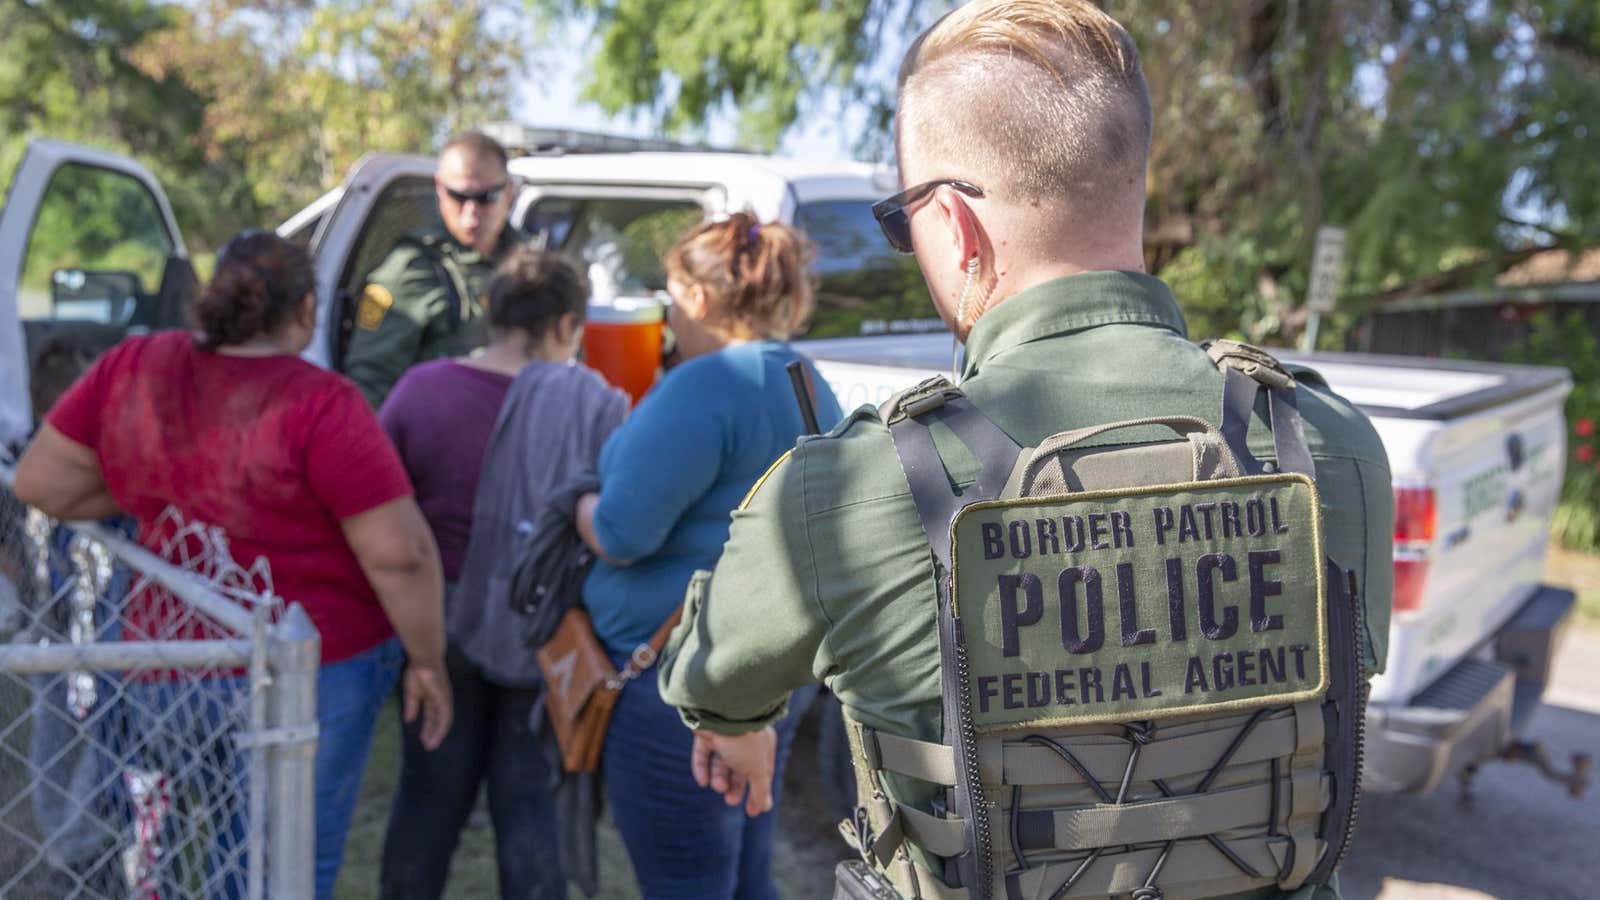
[{"x": 442, "y": 417}]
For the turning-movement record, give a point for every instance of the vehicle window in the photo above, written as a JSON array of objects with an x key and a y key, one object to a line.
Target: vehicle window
[
  {"x": 864, "y": 287},
  {"x": 407, "y": 206},
  {"x": 621, "y": 239},
  {"x": 96, "y": 251}
]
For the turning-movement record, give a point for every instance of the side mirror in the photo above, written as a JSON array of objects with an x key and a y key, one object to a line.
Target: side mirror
[{"x": 85, "y": 295}]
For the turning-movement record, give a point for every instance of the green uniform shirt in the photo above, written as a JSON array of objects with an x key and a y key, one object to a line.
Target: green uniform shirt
[
  {"x": 827, "y": 574},
  {"x": 425, "y": 300}
]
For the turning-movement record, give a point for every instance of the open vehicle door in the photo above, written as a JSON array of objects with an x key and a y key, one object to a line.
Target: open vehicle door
[
  {"x": 618, "y": 230},
  {"x": 89, "y": 252},
  {"x": 385, "y": 198}
]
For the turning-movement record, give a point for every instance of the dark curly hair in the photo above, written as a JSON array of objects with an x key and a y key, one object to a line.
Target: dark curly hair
[
  {"x": 258, "y": 286},
  {"x": 533, "y": 289}
]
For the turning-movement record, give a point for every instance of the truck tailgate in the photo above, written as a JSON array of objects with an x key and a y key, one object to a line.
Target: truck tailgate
[{"x": 1489, "y": 442}]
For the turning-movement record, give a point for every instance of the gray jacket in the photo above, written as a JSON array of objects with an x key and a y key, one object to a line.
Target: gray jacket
[{"x": 552, "y": 425}]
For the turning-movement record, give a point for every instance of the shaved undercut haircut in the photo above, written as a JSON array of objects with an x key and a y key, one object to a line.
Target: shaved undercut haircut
[{"x": 1033, "y": 100}]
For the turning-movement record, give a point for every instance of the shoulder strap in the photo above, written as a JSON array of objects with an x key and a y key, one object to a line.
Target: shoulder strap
[
  {"x": 428, "y": 245},
  {"x": 1246, "y": 371},
  {"x": 645, "y": 655},
  {"x": 909, "y": 415}
]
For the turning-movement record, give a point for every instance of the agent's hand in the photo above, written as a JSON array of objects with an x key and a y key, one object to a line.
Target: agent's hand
[
  {"x": 426, "y": 691},
  {"x": 728, "y": 764}
]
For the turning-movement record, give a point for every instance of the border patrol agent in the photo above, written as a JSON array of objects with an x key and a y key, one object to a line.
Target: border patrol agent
[
  {"x": 425, "y": 299},
  {"x": 1184, "y": 652}
]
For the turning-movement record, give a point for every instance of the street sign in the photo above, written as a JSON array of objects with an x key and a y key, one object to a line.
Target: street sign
[{"x": 1327, "y": 270}]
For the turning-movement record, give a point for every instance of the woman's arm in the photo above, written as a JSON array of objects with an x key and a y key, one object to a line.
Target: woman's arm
[
  {"x": 585, "y": 516},
  {"x": 62, "y": 477},
  {"x": 654, "y": 468},
  {"x": 401, "y": 561}
]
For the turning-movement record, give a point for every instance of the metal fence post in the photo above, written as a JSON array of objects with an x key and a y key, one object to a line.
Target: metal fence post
[{"x": 295, "y": 653}]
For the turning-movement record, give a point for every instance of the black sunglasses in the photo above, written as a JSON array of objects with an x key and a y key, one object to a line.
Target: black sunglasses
[
  {"x": 482, "y": 198},
  {"x": 894, "y": 216}
]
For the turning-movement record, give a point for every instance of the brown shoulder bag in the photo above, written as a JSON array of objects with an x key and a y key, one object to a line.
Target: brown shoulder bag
[{"x": 581, "y": 685}]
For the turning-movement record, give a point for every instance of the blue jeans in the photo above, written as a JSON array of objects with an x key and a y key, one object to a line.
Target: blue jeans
[
  {"x": 684, "y": 841},
  {"x": 349, "y": 694}
]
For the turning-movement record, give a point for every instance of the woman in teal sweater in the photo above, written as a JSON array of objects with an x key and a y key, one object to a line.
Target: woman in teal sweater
[{"x": 669, "y": 479}]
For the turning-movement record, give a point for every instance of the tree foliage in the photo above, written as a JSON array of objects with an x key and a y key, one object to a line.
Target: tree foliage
[
  {"x": 683, "y": 62},
  {"x": 247, "y": 109},
  {"x": 1452, "y": 137}
]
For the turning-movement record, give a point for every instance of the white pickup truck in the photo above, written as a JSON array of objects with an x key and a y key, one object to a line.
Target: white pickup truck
[{"x": 1477, "y": 450}]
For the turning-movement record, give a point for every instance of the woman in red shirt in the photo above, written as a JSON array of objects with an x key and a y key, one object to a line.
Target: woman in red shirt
[{"x": 227, "y": 433}]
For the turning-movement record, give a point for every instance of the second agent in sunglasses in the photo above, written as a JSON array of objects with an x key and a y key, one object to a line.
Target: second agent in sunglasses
[{"x": 423, "y": 301}]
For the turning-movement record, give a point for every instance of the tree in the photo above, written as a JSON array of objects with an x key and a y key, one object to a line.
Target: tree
[
  {"x": 683, "y": 61},
  {"x": 68, "y": 69},
  {"x": 246, "y": 110},
  {"x": 1451, "y": 137}
]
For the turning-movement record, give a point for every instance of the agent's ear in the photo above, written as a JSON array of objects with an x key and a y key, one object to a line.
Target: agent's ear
[
  {"x": 308, "y": 310},
  {"x": 962, "y": 226}
]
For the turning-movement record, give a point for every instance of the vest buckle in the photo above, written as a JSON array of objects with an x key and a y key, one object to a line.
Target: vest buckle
[
  {"x": 926, "y": 397},
  {"x": 1253, "y": 361}
]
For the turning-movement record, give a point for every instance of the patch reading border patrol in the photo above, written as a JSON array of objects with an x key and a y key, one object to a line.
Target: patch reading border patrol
[
  {"x": 375, "y": 303},
  {"x": 1141, "y": 603}
]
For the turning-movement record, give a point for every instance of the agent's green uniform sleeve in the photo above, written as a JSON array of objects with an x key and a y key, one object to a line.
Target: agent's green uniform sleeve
[
  {"x": 750, "y": 631},
  {"x": 405, "y": 294}
]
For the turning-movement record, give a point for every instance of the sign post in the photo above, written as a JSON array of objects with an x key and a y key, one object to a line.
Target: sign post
[{"x": 1327, "y": 277}]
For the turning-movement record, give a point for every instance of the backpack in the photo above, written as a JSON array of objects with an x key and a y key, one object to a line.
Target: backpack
[{"x": 1151, "y": 672}]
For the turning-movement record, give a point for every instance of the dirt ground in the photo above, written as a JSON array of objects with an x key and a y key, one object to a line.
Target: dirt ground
[{"x": 1523, "y": 837}]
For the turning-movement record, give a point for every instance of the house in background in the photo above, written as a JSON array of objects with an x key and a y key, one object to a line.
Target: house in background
[{"x": 1485, "y": 323}]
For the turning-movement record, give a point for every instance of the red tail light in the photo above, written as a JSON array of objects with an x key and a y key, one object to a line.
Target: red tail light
[
  {"x": 1410, "y": 580},
  {"x": 1415, "y": 517},
  {"x": 1414, "y": 514}
]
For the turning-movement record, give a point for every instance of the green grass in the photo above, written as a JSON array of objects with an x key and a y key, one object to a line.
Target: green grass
[
  {"x": 472, "y": 872},
  {"x": 807, "y": 847},
  {"x": 1580, "y": 572},
  {"x": 1589, "y": 607}
]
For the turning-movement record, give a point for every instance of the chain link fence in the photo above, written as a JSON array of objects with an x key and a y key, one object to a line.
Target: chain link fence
[{"x": 157, "y": 716}]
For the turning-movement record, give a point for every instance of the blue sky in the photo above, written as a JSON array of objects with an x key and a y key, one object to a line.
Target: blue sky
[{"x": 548, "y": 96}]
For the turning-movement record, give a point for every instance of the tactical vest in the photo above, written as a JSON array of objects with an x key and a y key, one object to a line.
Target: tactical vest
[
  {"x": 458, "y": 294},
  {"x": 1151, "y": 682}
]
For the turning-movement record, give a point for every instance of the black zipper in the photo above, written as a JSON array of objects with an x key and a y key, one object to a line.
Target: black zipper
[
  {"x": 1359, "y": 729},
  {"x": 1349, "y": 698},
  {"x": 967, "y": 750}
]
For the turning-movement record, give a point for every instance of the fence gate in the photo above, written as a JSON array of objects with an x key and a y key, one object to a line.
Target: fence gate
[{"x": 157, "y": 717}]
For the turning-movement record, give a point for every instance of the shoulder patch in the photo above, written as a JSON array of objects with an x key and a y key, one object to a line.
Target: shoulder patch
[
  {"x": 374, "y": 304},
  {"x": 751, "y": 494}
]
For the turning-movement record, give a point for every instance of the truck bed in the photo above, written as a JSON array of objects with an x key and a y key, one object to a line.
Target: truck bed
[{"x": 1484, "y": 442}]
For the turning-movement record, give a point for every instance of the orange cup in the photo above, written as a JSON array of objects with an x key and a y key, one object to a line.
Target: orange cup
[{"x": 622, "y": 341}]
